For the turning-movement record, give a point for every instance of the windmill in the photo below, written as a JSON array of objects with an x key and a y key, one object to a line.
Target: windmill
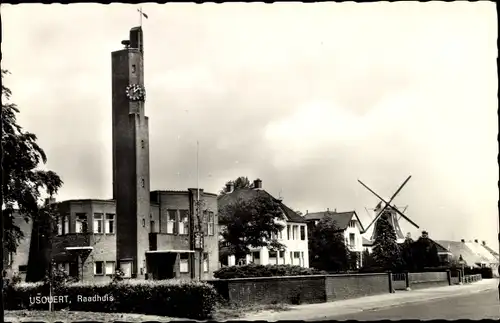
[{"x": 386, "y": 207}]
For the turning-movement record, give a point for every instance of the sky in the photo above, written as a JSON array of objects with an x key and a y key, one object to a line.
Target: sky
[{"x": 307, "y": 97}]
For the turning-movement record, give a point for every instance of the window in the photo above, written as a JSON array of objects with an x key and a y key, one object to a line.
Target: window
[
  {"x": 273, "y": 257},
  {"x": 280, "y": 235},
  {"x": 65, "y": 223},
  {"x": 184, "y": 222},
  {"x": 184, "y": 263},
  {"x": 10, "y": 258},
  {"x": 22, "y": 268},
  {"x": 126, "y": 267},
  {"x": 211, "y": 223},
  {"x": 296, "y": 254},
  {"x": 59, "y": 225},
  {"x": 171, "y": 217},
  {"x": 133, "y": 68},
  {"x": 205, "y": 262},
  {"x": 282, "y": 254},
  {"x": 288, "y": 232},
  {"x": 352, "y": 224},
  {"x": 256, "y": 257},
  {"x": 352, "y": 238},
  {"x": 152, "y": 226},
  {"x": 98, "y": 268},
  {"x": 291, "y": 257},
  {"x": 81, "y": 223},
  {"x": 64, "y": 266},
  {"x": 281, "y": 259},
  {"x": 302, "y": 232},
  {"x": 204, "y": 222},
  {"x": 98, "y": 227},
  {"x": 110, "y": 223},
  {"x": 295, "y": 232},
  {"x": 110, "y": 268}
]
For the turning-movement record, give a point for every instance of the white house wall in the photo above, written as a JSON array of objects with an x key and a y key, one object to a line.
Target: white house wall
[{"x": 292, "y": 245}]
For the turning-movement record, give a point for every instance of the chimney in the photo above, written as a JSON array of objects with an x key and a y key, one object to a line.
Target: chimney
[
  {"x": 463, "y": 240},
  {"x": 49, "y": 201},
  {"x": 307, "y": 211},
  {"x": 327, "y": 209},
  {"x": 476, "y": 241},
  {"x": 229, "y": 187},
  {"x": 335, "y": 210},
  {"x": 257, "y": 184},
  {"x": 425, "y": 234},
  {"x": 484, "y": 243}
]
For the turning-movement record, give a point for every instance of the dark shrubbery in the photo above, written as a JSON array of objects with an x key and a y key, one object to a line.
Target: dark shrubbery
[
  {"x": 185, "y": 299},
  {"x": 251, "y": 270}
]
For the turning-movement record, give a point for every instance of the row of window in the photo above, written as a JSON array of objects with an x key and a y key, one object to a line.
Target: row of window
[
  {"x": 184, "y": 263},
  {"x": 275, "y": 257},
  {"x": 103, "y": 223},
  {"x": 292, "y": 232},
  {"x": 178, "y": 222}
]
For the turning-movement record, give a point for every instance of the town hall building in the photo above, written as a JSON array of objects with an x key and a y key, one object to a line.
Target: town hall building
[{"x": 147, "y": 234}]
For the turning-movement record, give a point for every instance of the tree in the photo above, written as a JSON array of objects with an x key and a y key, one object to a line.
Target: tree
[
  {"x": 327, "y": 249},
  {"x": 251, "y": 223},
  {"x": 240, "y": 182},
  {"x": 425, "y": 252},
  {"x": 24, "y": 185},
  {"x": 368, "y": 261},
  {"x": 386, "y": 251},
  {"x": 407, "y": 254}
]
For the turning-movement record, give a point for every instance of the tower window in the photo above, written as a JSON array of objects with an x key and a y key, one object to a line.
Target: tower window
[
  {"x": 142, "y": 143},
  {"x": 142, "y": 182},
  {"x": 133, "y": 68}
]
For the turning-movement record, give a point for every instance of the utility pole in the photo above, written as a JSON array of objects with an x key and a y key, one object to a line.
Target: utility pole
[{"x": 199, "y": 236}]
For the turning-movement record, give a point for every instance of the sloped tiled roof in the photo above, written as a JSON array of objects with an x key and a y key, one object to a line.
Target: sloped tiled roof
[
  {"x": 341, "y": 218},
  {"x": 493, "y": 252},
  {"x": 249, "y": 194},
  {"x": 458, "y": 248},
  {"x": 482, "y": 252}
]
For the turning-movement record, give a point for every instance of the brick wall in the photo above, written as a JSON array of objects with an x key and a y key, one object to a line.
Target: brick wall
[
  {"x": 300, "y": 289},
  {"x": 359, "y": 285},
  {"x": 429, "y": 279}
]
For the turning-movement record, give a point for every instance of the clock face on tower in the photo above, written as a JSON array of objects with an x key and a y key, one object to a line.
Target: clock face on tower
[{"x": 135, "y": 92}]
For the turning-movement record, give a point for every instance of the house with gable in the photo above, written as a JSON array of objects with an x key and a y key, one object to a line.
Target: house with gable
[
  {"x": 347, "y": 222},
  {"x": 293, "y": 235}
]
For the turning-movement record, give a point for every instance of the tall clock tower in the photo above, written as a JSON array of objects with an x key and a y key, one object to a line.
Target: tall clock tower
[{"x": 130, "y": 155}]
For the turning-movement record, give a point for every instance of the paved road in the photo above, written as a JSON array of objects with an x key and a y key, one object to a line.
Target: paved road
[{"x": 483, "y": 305}]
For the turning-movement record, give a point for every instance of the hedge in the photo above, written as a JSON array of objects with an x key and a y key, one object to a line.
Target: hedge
[
  {"x": 171, "y": 298},
  {"x": 253, "y": 270}
]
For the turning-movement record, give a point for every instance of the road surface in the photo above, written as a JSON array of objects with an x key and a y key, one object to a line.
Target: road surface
[
  {"x": 483, "y": 305},
  {"x": 471, "y": 301}
]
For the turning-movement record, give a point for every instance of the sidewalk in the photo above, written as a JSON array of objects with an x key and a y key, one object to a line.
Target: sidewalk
[{"x": 344, "y": 307}]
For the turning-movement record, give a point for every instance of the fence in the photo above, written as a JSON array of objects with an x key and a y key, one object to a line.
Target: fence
[{"x": 472, "y": 278}]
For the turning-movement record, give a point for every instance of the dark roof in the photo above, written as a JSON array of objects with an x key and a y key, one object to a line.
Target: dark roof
[
  {"x": 342, "y": 218},
  {"x": 249, "y": 194}
]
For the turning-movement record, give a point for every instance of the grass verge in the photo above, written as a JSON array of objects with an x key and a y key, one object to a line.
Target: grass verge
[{"x": 70, "y": 316}]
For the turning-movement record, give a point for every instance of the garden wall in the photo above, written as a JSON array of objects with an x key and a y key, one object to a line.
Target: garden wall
[
  {"x": 300, "y": 289},
  {"x": 429, "y": 279}
]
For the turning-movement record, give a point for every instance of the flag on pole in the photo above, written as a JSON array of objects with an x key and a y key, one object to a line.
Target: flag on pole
[{"x": 142, "y": 13}]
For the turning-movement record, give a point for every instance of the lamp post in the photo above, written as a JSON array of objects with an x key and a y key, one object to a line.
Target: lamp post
[{"x": 462, "y": 263}]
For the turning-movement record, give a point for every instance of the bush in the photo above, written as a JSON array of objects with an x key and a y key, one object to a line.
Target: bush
[
  {"x": 252, "y": 270},
  {"x": 171, "y": 298}
]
